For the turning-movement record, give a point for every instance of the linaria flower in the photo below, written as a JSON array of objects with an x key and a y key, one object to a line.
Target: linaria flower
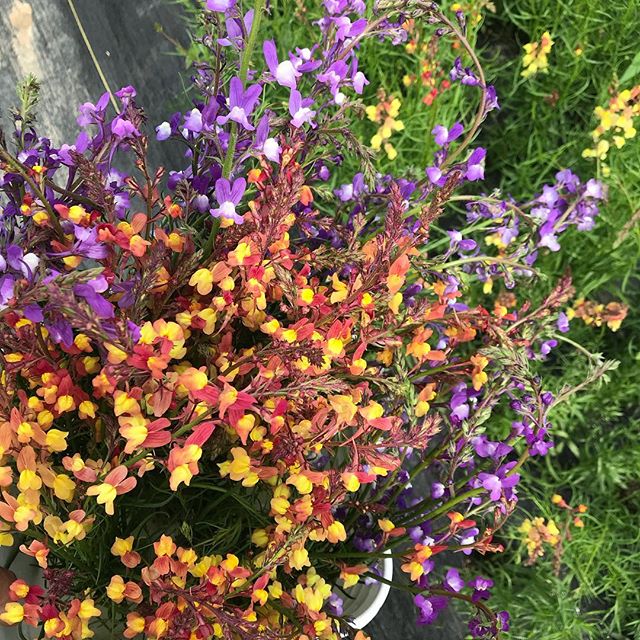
[
  {"x": 220, "y": 5},
  {"x": 241, "y": 104},
  {"x": 300, "y": 110},
  {"x": 284, "y": 73},
  {"x": 228, "y": 197},
  {"x": 443, "y": 136}
]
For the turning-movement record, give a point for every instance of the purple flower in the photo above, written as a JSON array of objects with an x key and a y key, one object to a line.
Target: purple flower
[
  {"x": 335, "y": 605},
  {"x": 268, "y": 146},
  {"x": 80, "y": 146},
  {"x": 7, "y": 284},
  {"x": 353, "y": 189},
  {"x": 437, "y": 490},
  {"x": 220, "y": 5},
  {"x": 443, "y": 136},
  {"x": 499, "y": 482},
  {"x": 503, "y": 620},
  {"x": 60, "y": 331},
  {"x": 563, "y": 322},
  {"x": 480, "y": 588},
  {"x": 359, "y": 81},
  {"x": 284, "y": 72},
  {"x": 300, "y": 110},
  {"x": 25, "y": 263},
  {"x": 475, "y": 164},
  {"x": 87, "y": 243},
  {"x": 334, "y": 75},
  {"x": 491, "y": 100},
  {"x": 435, "y": 176},
  {"x": 457, "y": 242},
  {"x": 235, "y": 32},
  {"x": 193, "y": 121},
  {"x": 228, "y": 198},
  {"x": 453, "y": 580},
  {"x": 568, "y": 180},
  {"x": 429, "y": 607},
  {"x": 91, "y": 291},
  {"x": 241, "y": 104},
  {"x": 34, "y": 313},
  {"x": 346, "y": 29},
  {"x": 594, "y": 189},
  {"x": 547, "y": 346},
  {"x": 459, "y": 404},
  {"x": 548, "y": 236},
  {"x": 463, "y": 74},
  {"x": 93, "y": 113},
  {"x": 123, "y": 129},
  {"x": 485, "y": 448},
  {"x": 163, "y": 131}
]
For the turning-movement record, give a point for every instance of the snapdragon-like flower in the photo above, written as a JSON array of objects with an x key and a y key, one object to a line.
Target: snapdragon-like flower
[
  {"x": 284, "y": 72},
  {"x": 241, "y": 104},
  {"x": 443, "y": 136},
  {"x": 229, "y": 196},
  {"x": 220, "y": 5},
  {"x": 269, "y": 146},
  {"x": 536, "y": 54},
  {"x": 300, "y": 110}
]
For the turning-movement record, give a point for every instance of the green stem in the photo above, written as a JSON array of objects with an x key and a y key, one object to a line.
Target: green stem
[
  {"x": 447, "y": 506},
  {"x": 258, "y": 10},
  {"x": 486, "y": 260}
]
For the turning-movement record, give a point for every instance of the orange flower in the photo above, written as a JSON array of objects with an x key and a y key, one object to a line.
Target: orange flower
[{"x": 116, "y": 483}]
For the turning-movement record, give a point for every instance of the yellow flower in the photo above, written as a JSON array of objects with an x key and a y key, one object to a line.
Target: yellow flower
[
  {"x": 122, "y": 546},
  {"x": 202, "y": 280},
  {"x": 299, "y": 558},
  {"x": 88, "y": 610},
  {"x": 115, "y": 589},
  {"x": 535, "y": 56},
  {"x": 344, "y": 407},
  {"x": 56, "y": 440},
  {"x": 13, "y": 613}
]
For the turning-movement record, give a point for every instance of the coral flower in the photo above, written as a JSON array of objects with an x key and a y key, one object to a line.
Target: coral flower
[{"x": 115, "y": 484}]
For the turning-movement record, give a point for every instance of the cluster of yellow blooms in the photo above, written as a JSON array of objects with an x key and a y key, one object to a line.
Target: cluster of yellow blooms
[
  {"x": 595, "y": 313},
  {"x": 385, "y": 113},
  {"x": 536, "y": 532},
  {"x": 616, "y": 125},
  {"x": 474, "y": 9},
  {"x": 535, "y": 56}
]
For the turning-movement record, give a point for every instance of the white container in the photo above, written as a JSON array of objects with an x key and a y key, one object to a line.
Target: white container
[{"x": 367, "y": 599}]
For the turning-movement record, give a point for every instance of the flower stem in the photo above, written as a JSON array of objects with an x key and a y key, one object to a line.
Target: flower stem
[
  {"x": 447, "y": 506},
  {"x": 258, "y": 10}
]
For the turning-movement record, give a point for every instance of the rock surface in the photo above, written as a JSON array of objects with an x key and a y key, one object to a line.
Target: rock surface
[{"x": 42, "y": 37}]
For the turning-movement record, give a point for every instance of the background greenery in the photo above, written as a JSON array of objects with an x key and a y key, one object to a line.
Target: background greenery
[{"x": 543, "y": 126}]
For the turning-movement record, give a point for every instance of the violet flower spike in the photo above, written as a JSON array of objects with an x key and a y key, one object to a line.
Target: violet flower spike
[
  {"x": 284, "y": 72},
  {"x": 241, "y": 104},
  {"x": 228, "y": 197}
]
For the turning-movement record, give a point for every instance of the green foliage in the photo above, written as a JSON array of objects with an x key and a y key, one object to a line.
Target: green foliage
[{"x": 544, "y": 125}]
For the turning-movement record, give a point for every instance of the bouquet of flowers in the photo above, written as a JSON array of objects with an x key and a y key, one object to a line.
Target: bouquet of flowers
[{"x": 229, "y": 391}]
